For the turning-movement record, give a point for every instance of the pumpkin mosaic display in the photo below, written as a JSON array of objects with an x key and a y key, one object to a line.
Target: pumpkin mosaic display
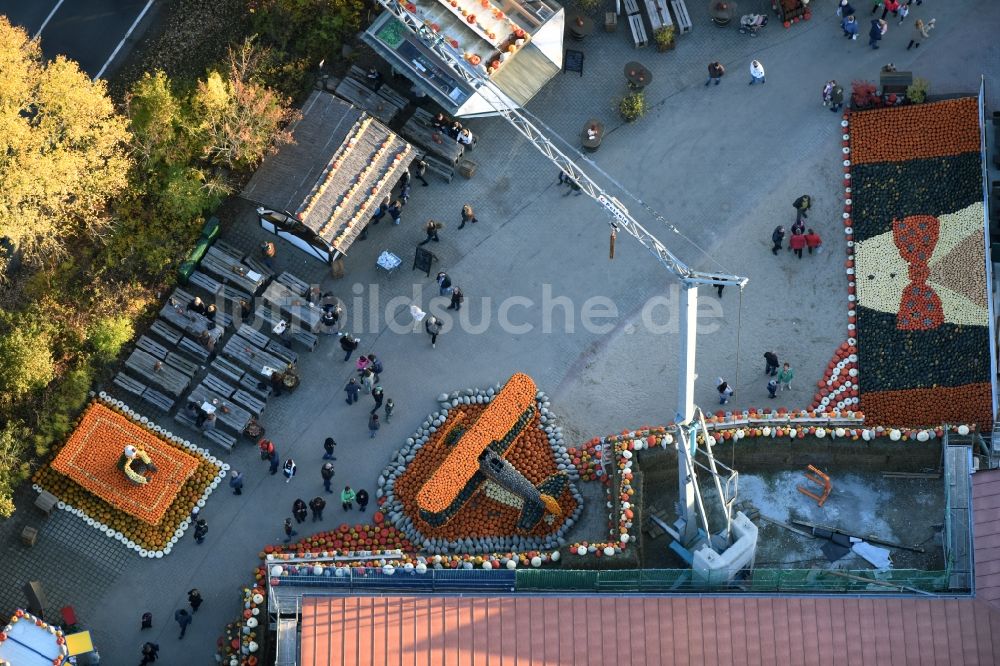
[{"x": 917, "y": 266}]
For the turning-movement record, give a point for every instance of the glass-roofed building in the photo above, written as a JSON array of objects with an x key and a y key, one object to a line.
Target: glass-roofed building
[{"x": 517, "y": 44}]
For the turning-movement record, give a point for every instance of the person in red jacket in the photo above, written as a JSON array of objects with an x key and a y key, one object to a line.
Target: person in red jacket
[
  {"x": 796, "y": 243},
  {"x": 813, "y": 241}
]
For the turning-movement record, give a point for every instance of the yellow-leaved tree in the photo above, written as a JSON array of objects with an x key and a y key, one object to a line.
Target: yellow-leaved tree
[{"x": 63, "y": 150}]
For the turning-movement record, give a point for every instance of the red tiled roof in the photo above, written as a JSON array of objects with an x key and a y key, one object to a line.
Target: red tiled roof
[
  {"x": 986, "y": 535},
  {"x": 645, "y": 631}
]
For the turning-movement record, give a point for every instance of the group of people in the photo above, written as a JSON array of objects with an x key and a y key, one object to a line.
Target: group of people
[
  {"x": 150, "y": 649},
  {"x": 369, "y": 370},
  {"x": 777, "y": 378},
  {"x": 802, "y": 238},
  {"x": 880, "y": 26},
  {"x": 454, "y": 129}
]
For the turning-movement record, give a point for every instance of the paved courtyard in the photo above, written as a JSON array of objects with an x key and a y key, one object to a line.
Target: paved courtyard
[{"x": 722, "y": 164}]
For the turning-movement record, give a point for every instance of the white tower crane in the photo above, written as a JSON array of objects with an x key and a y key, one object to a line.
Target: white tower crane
[{"x": 692, "y": 527}]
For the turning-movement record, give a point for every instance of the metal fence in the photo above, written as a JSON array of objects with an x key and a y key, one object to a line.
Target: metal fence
[
  {"x": 756, "y": 581},
  {"x": 433, "y": 580}
]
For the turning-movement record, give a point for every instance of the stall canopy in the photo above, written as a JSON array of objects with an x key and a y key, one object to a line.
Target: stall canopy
[
  {"x": 27, "y": 640},
  {"x": 322, "y": 188}
]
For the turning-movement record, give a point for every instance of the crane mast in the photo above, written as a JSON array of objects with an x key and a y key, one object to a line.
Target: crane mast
[{"x": 690, "y": 505}]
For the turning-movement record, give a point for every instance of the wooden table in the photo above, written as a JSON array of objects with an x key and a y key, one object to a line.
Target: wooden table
[
  {"x": 242, "y": 351},
  {"x": 177, "y": 314},
  {"x": 298, "y": 308},
  {"x": 168, "y": 378},
  {"x": 445, "y": 146},
  {"x": 228, "y": 269},
  {"x": 580, "y": 26},
  {"x": 637, "y": 75},
  {"x": 227, "y": 412},
  {"x": 592, "y": 144}
]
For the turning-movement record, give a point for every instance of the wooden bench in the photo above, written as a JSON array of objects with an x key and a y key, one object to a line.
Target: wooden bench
[
  {"x": 221, "y": 318},
  {"x": 255, "y": 386},
  {"x": 631, "y": 7},
  {"x": 229, "y": 370},
  {"x": 225, "y": 440},
  {"x": 259, "y": 266},
  {"x": 638, "y": 30},
  {"x": 251, "y": 402},
  {"x": 178, "y": 362},
  {"x": 681, "y": 16},
  {"x": 151, "y": 346},
  {"x": 206, "y": 282},
  {"x": 253, "y": 335},
  {"x": 213, "y": 383},
  {"x": 166, "y": 331},
  {"x": 293, "y": 283},
  {"x": 194, "y": 349},
  {"x": 424, "y": 116},
  {"x": 255, "y": 359},
  {"x": 281, "y": 351},
  {"x": 46, "y": 501},
  {"x": 227, "y": 414},
  {"x": 232, "y": 251},
  {"x": 895, "y": 82},
  {"x": 440, "y": 167},
  {"x": 659, "y": 15},
  {"x": 160, "y": 401},
  {"x": 303, "y": 337},
  {"x": 133, "y": 386}
]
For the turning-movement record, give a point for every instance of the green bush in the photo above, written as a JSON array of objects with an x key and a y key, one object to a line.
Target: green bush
[
  {"x": 12, "y": 444},
  {"x": 632, "y": 106},
  {"x": 588, "y": 6},
  {"x": 917, "y": 91},
  {"x": 26, "y": 362},
  {"x": 107, "y": 336}
]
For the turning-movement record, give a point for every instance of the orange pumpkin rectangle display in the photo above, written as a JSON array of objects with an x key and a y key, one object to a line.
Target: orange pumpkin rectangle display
[{"x": 91, "y": 459}]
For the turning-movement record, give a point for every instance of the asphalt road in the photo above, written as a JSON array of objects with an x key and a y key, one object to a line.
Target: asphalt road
[{"x": 88, "y": 31}]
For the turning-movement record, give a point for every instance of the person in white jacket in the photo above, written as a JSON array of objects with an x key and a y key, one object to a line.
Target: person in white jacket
[{"x": 756, "y": 72}]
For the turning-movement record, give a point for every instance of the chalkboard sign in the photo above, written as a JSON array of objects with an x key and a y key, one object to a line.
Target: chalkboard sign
[{"x": 422, "y": 260}]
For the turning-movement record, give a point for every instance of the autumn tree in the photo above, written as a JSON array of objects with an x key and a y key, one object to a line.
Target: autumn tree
[
  {"x": 63, "y": 150},
  {"x": 239, "y": 120}
]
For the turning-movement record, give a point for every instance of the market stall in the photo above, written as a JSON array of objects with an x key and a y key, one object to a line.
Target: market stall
[
  {"x": 319, "y": 191},
  {"x": 28, "y": 640}
]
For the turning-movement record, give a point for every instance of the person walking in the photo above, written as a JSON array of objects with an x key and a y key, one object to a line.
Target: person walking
[
  {"x": 890, "y": 6},
  {"x": 150, "y": 651},
  {"x": 289, "y": 530},
  {"x": 395, "y": 211},
  {"x": 274, "y": 461},
  {"x": 348, "y": 343},
  {"x": 183, "y": 618},
  {"x": 877, "y": 31},
  {"x": 797, "y": 243},
  {"x": 347, "y": 498},
  {"x": 352, "y": 389},
  {"x": 389, "y": 406},
  {"x": 468, "y": 215},
  {"x": 200, "y": 530},
  {"x": 361, "y": 364},
  {"x": 376, "y": 217},
  {"x": 849, "y": 25},
  {"x": 813, "y": 241},
  {"x": 373, "y": 424},
  {"x": 329, "y": 444},
  {"x": 317, "y": 504},
  {"x": 715, "y": 72},
  {"x": 756, "y": 72},
  {"x": 431, "y": 229},
  {"x": 719, "y": 288},
  {"x": 288, "y": 470},
  {"x": 404, "y": 191},
  {"x": 362, "y": 498},
  {"x": 724, "y": 389},
  {"x": 422, "y": 170},
  {"x": 785, "y": 377},
  {"x": 327, "y": 472},
  {"x": 798, "y": 228},
  {"x": 236, "y": 483},
  {"x": 771, "y": 361},
  {"x": 456, "y": 299},
  {"x": 268, "y": 250},
  {"x": 299, "y": 510},
  {"x": 827, "y": 90},
  {"x": 444, "y": 283},
  {"x": 146, "y": 621},
  {"x": 836, "y": 97},
  {"x": 777, "y": 236},
  {"x": 195, "y": 599},
  {"x": 904, "y": 11},
  {"x": 921, "y": 31},
  {"x": 433, "y": 328},
  {"x": 801, "y": 206},
  {"x": 377, "y": 395},
  {"x": 376, "y": 366},
  {"x": 772, "y": 388},
  {"x": 368, "y": 380},
  {"x": 845, "y": 8}
]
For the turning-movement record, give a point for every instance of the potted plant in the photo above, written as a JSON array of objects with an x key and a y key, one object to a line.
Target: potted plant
[
  {"x": 632, "y": 106},
  {"x": 917, "y": 91},
  {"x": 665, "y": 38}
]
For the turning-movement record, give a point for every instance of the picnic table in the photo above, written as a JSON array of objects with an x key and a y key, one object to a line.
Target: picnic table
[
  {"x": 433, "y": 140},
  {"x": 166, "y": 377},
  {"x": 297, "y": 307},
  {"x": 241, "y": 350},
  {"x": 177, "y": 314},
  {"x": 229, "y": 269},
  {"x": 227, "y": 412},
  {"x": 637, "y": 75}
]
